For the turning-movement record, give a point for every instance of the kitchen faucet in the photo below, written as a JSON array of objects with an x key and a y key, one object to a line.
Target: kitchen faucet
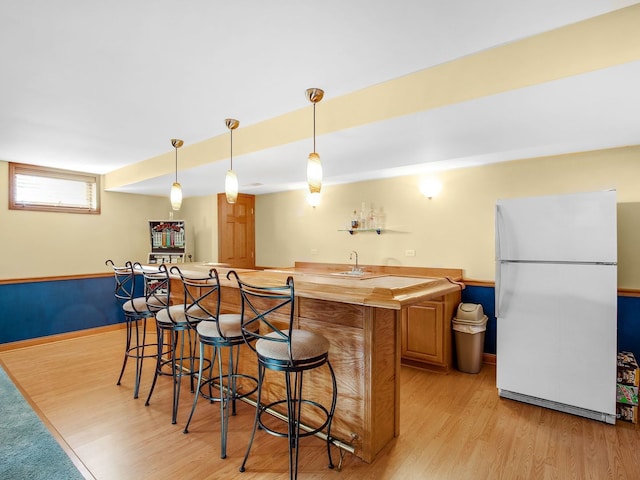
[{"x": 355, "y": 268}]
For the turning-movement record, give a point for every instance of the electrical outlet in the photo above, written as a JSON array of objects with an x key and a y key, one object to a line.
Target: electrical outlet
[
  {"x": 314, "y": 251},
  {"x": 410, "y": 253}
]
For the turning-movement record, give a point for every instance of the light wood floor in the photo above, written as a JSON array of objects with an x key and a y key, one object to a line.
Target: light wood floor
[{"x": 452, "y": 427}]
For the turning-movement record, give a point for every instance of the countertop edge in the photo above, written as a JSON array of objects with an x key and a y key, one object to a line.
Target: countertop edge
[{"x": 409, "y": 289}]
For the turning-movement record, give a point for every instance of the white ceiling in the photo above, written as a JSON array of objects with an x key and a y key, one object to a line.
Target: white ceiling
[{"x": 95, "y": 86}]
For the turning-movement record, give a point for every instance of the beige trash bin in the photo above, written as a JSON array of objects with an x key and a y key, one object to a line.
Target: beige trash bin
[{"x": 469, "y": 326}]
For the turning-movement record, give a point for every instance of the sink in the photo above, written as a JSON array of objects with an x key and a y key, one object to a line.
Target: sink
[
  {"x": 350, "y": 273},
  {"x": 357, "y": 274}
]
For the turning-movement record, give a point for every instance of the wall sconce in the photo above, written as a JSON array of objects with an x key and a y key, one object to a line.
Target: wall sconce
[
  {"x": 430, "y": 187},
  {"x": 231, "y": 179},
  {"x": 176, "y": 189},
  {"x": 314, "y": 166}
]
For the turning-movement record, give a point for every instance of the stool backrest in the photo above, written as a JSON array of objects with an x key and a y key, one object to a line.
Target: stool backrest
[
  {"x": 157, "y": 285},
  {"x": 201, "y": 296},
  {"x": 267, "y": 311},
  {"x": 125, "y": 285}
]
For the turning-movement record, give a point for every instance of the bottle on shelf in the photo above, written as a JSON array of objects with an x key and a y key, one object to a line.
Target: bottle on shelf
[
  {"x": 371, "y": 219},
  {"x": 380, "y": 218},
  {"x": 354, "y": 220},
  {"x": 363, "y": 217}
]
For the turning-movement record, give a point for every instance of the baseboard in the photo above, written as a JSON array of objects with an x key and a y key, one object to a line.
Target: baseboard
[
  {"x": 489, "y": 358},
  {"x": 32, "y": 342}
]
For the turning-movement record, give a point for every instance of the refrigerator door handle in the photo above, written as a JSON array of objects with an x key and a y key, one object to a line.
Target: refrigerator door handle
[
  {"x": 498, "y": 230},
  {"x": 498, "y": 263},
  {"x": 497, "y": 289}
]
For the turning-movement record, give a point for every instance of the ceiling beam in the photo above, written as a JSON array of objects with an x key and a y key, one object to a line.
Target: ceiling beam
[{"x": 597, "y": 43}]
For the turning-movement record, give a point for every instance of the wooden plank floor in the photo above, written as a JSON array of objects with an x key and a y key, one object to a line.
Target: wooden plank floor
[{"x": 452, "y": 427}]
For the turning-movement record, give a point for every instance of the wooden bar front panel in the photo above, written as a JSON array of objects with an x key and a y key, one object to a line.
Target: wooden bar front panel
[{"x": 364, "y": 351}]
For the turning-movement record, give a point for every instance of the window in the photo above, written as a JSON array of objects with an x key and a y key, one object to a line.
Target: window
[{"x": 52, "y": 190}]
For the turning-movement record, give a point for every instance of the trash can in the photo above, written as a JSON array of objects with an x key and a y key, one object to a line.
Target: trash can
[{"x": 469, "y": 326}]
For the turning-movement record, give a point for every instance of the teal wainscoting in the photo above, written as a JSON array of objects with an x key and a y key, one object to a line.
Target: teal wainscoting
[
  {"x": 49, "y": 307},
  {"x": 628, "y": 318},
  {"x": 41, "y": 308}
]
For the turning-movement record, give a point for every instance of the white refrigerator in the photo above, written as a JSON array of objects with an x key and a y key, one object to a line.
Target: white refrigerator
[{"x": 556, "y": 302}]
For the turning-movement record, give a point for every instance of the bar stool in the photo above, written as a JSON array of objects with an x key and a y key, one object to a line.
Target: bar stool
[
  {"x": 218, "y": 331},
  {"x": 290, "y": 351},
  {"x": 172, "y": 322},
  {"x": 136, "y": 312}
]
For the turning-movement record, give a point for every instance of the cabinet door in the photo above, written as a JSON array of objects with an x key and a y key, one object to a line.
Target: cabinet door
[{"x": 423, "y": 333}]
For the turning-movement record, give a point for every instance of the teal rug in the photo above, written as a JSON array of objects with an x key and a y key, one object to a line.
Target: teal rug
[{"x": 27, "y": 449}]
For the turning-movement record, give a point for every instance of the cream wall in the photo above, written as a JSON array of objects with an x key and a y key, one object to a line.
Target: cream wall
[
  {"x": 455, "y": 229},
  {"x": 201, "y": 219},
  {"x": 43, "y": 244}
]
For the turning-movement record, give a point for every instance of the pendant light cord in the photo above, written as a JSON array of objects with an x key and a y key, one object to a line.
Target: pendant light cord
[
  {"x": 314, "y": 128},
  {"x": 176, "y": 148},
  {"x": 231, "y": 150}
]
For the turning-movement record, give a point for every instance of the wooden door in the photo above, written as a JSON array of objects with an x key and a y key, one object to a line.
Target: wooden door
[{"x": 236, "y": 231}]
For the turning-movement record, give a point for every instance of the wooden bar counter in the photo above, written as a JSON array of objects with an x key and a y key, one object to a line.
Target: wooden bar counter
[{"x": 361, "y": 317}]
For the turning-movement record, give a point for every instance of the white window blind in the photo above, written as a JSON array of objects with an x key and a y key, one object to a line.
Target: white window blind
[{"x": 47, "y": 189}]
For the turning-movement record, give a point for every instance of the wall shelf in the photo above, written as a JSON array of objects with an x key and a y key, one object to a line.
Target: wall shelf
[{"x": 361, "y": 230}]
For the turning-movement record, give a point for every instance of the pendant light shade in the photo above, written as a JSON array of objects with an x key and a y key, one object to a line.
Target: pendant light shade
[
  {"x": 314, "y": 166},
  {"x": 176, "y": 196},
  {"x": 314, "y": 173},
  {"x": 231, "y": 186},
  {"x": 231, "y": 179},
  {"x": 176, "y": 189}
]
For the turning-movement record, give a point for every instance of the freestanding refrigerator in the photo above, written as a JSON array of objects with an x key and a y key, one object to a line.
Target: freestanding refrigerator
[{"x": 556, "y": 302}]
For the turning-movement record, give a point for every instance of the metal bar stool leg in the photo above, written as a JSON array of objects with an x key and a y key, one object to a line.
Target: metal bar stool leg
[
  {"x": 176, "y": 368},
  {"x": 191, "y": 358},
  {"x": 214, "y": 356},
  {"x": 234, "y": 378},
  {"x": 136, "y": 350},
  {"x": 294, "y": 410},
  {"x": 128, "y": 320},
  {"x": 261, "y": 371},
  {"x": 158, "y": 365},
  {"x": 331, "y": 412},
  {"x": 139, "y": 352},
  {"x": 225, "y": 395},
  {"x": 195, "y": 397}
]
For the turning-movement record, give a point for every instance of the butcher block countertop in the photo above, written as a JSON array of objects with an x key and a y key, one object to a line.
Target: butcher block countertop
[{"x": 378, "y": 286}]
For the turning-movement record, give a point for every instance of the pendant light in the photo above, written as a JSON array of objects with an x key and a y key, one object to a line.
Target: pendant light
[
  {"x": 314, "y": 167},
  {"x": 231, "y": 179},
  {"x": 313, "y": 199},
  {"x": 176, "y": 189}
]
